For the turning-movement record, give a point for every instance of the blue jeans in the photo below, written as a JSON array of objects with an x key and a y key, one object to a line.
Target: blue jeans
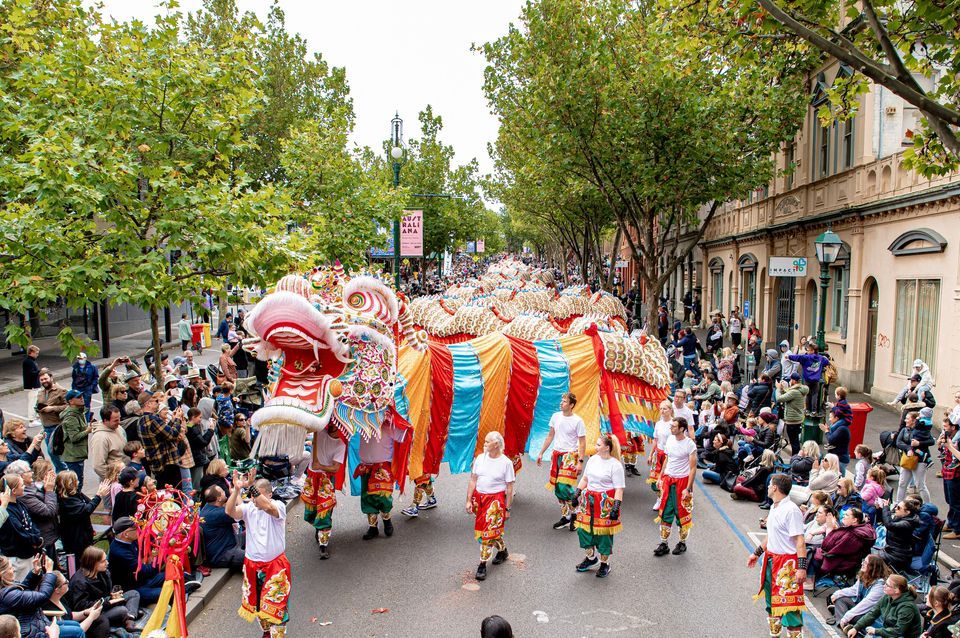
[
  {"x": 843, "y": 468},
  {"x": 951, "y": 493},
  {"x": 688, "y": 362},
  {"x": 77, "y": 466},
  {"x": 58, "y": 463},
  {"x": 70, "y": 629},
  {"x": 710, "y": 475}
]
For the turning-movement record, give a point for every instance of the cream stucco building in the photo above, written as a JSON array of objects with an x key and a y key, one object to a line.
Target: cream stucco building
[{"x": 894, "y": 294}]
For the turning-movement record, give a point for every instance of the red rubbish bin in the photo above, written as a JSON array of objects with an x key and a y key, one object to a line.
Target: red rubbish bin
[
  {"x": 859, "y": 425},
  {"x": 196, "y": 332}
]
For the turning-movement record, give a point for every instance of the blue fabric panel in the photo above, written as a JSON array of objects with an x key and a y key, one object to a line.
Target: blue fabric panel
[
  {"x": 400, "y": 397},
  {"x": 353, "y": 461},
  {"x": 554, "y": 381},
  {"x": 465, "y": 411}
]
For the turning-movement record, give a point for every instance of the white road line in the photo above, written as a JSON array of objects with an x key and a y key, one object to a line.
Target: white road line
[{"x": 816, "y": 614}]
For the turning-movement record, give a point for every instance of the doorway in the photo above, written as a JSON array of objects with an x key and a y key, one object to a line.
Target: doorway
[
  {"x": 873, "y": 303},
  {"x": 785, "y": 308}
]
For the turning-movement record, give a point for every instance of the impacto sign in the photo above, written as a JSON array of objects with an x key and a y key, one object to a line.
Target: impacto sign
[
  {"x": 787, "y": 267},
  {"x": 411, "y": 234}
]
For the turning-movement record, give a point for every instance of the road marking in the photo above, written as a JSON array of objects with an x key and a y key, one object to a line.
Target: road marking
[{"x": 820, "y": 628}]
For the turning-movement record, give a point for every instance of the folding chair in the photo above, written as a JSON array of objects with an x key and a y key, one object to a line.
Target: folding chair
[{"x": 929, "y": 574}]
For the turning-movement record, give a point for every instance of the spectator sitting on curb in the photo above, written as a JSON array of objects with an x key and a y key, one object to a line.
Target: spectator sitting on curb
[{"x": 219, "y": 537}]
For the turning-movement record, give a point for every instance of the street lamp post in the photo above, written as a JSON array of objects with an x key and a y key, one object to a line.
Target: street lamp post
[
  {"x": 828, "y": 246},
  {"x": 396, "y": 154}
]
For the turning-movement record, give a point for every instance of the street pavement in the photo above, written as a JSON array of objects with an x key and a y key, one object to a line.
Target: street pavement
[{"x": 423, "y": 575}]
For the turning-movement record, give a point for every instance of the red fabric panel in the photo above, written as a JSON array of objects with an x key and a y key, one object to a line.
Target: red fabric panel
[
  {"x": 457, "y": 338},
  {"x": 441, "y": 401},
  {"x": 401, "y": 451},
  {"x": 606, "y": 386},
  {"x": 521, "y": 396}
]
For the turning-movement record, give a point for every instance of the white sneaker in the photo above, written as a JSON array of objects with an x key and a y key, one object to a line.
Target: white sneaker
[
  {"x": 430, "y": 504},
  {"x": 413, "y": 511}
]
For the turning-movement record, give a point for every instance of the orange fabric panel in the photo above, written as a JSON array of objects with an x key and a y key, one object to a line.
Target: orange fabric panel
[
  {"x": 415, "y": 368},
  {"x": 584, "y": 383},
  {"x": 493, "y": 351}
]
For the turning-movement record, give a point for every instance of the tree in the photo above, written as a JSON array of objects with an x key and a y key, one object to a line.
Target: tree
[
  {"x": 122, "y": 184},
  {"x": 659, "y": 119},
  {"x": 886, "y": 41}
]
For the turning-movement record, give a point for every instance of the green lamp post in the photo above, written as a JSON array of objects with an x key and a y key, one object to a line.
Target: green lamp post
[
  {"x": 828, "y": 246},
  {"x": 396, "y": 154}
]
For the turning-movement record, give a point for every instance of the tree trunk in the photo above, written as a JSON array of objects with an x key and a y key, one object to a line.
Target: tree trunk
[
  {"x": 613, "y": 257},
  {"x": 157, "y": 347}
]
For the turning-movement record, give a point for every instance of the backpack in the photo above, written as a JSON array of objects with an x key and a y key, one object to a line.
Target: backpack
[{"x": 58, "y": 441}]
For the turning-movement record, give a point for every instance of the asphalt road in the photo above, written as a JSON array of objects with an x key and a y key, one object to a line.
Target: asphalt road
[{"x": 424, "y": 574}]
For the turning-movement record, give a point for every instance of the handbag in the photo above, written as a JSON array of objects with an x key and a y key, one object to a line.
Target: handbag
[
  {"x": 728, "y": 481},
  {"x": 909, "y": 462}
]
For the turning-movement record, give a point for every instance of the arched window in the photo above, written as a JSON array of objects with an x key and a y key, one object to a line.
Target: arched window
[
  {"x": 840, "y": 281},
  {"x": 747, "y": 264},
  {"x": 716, "y": 274},
  {"x": 918, "y": 242}
]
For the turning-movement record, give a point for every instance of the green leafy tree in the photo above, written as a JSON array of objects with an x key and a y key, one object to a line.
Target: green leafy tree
[
  {"x": 885, "y": 41},
  {"x": 658, "y": 118},
  {"x": 122, "y": 185}
]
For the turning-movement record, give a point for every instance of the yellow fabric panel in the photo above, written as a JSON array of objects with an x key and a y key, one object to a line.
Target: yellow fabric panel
[
  {"x": 493, "y": 351},
  {"x": 415, "y": 368},
  {"x": 584, "y": 383}
]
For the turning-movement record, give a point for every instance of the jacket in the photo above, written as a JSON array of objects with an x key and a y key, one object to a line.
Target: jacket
[
  {"x": 75, "y": 526},
  {"x": 725, "y": 464},
  {"x": 794, "y": 400},
  {"x": 25, "y": 601},
  {"x": 844, "y": 548},
  {"x": 123, "y": 563},
  {"x": 871, "y": 491},
  {"x": 19, "y": 537},
  {"x": 18, "y": 451},
  {"x": 184, "y": 331},
  {"x": 31, "y": 373},
  {"x": 105, "y": 446},
  {"x": 787, "y": 366},
  {"x": 838, "y": 438},
  {"x": 921, "y": 434},
  {"x": 900, "y": 618},
  {"x": 54, "y": 398},
  {"x": 42, "y": 506},
  {"x": 199, "y": 437},
  {"x": 73, "y": 420},
  {"x": 688, "y": 344},
  {"x": 85, "y": 591},
  {"x": 760, "y": 395},
  {"x": 899, "y": 536},
  {"x": 823, "y": 480},
  {"x": 85, "y": 378},
  {"x": 866, "y": 598},
  {"x": 765, "y": 437},
  {"x": 773, "y": 367},
  {"x": 812, "y": 365},
  {"x": 758, "y": 481}
]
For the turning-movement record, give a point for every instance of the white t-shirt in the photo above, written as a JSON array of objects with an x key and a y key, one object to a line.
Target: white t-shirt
[
  {"x": 784, "y": 521},
  {"x": 265, "y": 534},
  {"x": 735, "y": 325},
  {"x": 493, "y": 474},
  {"x": 381, "y": 451},
  {"x": 661, "y": 432},
  {"x": 329, "y": 449},
  {"x": 604, "y": 474},
  {"x": 683, "y": 411},
  {"x": 567, "y": 430},
  {"x": 678, "y": 456}
]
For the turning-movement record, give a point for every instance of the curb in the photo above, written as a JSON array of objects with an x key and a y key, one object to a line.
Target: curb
[{"x": 213, "y": 583}]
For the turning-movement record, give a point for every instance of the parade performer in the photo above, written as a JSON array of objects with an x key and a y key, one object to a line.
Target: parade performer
[
  {"x": 570, "y": 434},
  {"x": 631, "y": 451},
  {"x": 266, "y": 571},
  {"x": 422, "y": 486},
  {"x": 319, "y": 491},
  {"x": 600, "y": 493},
  {"x": 784, "y": 565},
  {"x": 376, "y": 478},
  {"x": 489, "y": 496},
  {"x": 676, "y": 487},
  {"x": 661, "y": 432}
]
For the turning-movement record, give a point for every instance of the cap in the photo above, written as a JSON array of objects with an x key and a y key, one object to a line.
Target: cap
[
  {"x": 795, "y": 376},
  {"x": 82, "y": 355},
  {"x": 193, "y": 374},
  {"x": 768, "y": 417},
  {"x": 916, "y": 377},
  {"x": 122, "y": 524},
  {"x": 73, "y": 394},
  {"x": 918, "y": 363},
  {"x": 130, "y": 376},
  {"x": 926, "y": 413},
  {"x": 143, "y": 397},
  {"x": 731, "y": 395}
]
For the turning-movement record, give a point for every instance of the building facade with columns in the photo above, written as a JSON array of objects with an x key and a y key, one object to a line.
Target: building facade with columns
[{"x": 894, "y": 293}]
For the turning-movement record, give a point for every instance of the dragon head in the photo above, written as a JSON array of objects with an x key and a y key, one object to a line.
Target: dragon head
[{"x": 331, "y": 338}]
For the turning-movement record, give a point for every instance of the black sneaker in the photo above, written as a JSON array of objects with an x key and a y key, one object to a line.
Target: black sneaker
[
  {"x": 372, "y": 532},
  {"x": 388, "y": 528},
  {"x": 324, "y": 552},
  {"x": 563, "y": 522},
  {"x": 604, "y": 570},
  {"x": 587, "y": 563},
  {"x": 662, "y": 549},
  {"x": 765, "y": 505},
  {"x": 635, "y": 471},
  {"x": 482, "y": 571},
  {"x": 680, "y": 548},
  {"x": 500, "y": 557},
  {"x": 573, "y": 523}
]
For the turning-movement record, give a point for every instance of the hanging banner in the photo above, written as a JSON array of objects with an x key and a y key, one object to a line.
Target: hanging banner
[
  {"x": 480, "y": 245},
  {"x": 411, "y": 234}
]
